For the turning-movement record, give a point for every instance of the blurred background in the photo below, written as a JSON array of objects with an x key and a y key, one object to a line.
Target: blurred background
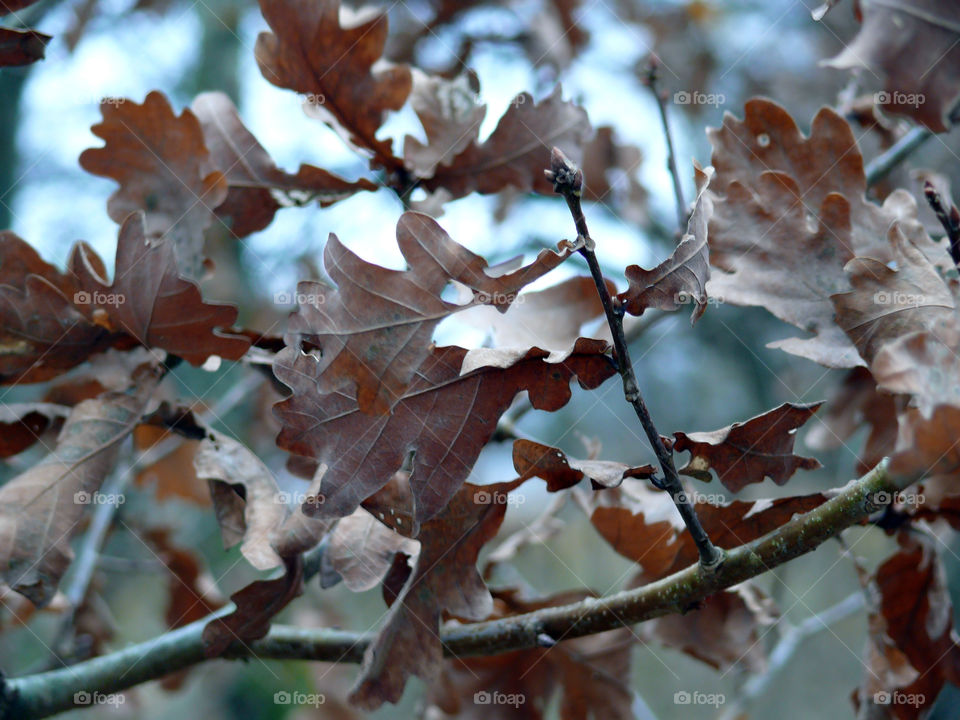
[{"x": 694, "y": 379}]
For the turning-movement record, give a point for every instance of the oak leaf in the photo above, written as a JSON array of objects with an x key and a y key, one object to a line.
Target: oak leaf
[
  {"x": 560, "y": 471},
  {"x": 21, "y": 47},
  {"x": 748, "y": 452},
  {"x": 443, "y": 420},
  {"x": 257, "y": 187},
  {"x": 164, "y": 168},
  {"x": 311, "y": 52}
]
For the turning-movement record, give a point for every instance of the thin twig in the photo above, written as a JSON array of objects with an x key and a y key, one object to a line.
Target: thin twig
[
  {"x": 787, "y": 646},
  {"x": 661, "y": 98},
  {"x": 568, "y": 181},
  {"x": 42, "y": 695},
  {"x": 878, "y": 168},
  {"x": 949, "y": 217}
]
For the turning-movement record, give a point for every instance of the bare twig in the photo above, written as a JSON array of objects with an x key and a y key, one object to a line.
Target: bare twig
[
  {"x": 878, "y": 168},
  {"x": 949, "y": 217},
  {"x": 42, "y": 695},
  {"x": 568, "y": 181},
  {"x": 651, "y": 81},
  {"x": 787, "y": 646}
]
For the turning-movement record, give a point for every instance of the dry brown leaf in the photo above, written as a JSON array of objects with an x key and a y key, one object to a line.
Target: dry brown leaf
[
  {"x": 560, "y": 471},
  {"x": 21, "y": 47},
  {"x": 331, "y": 63},
  {"x": 363, "y": 451},
  {"x": 164, "y": 169},
  {"x": 915, "y": 46},
  {"x": 749, "y": 452},
  {"x": 257, "y": 187},
  {"x": 41, "y": 508}
]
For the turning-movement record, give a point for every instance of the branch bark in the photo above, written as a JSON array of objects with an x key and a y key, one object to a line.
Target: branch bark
[
  {"x": 44, "y": 694},
  {"x": 568, "y": 181}
]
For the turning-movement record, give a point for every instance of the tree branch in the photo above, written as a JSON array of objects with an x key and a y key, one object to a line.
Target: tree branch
[
  {"x": 42, "y": 695},
  {"x": 651, "y": 80},
  {"x": 568, "y": 181},
  {"x": 878, "y": 168}
]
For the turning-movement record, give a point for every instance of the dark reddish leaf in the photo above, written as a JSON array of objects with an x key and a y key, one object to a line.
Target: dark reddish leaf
[
  {"x": 311, "y": 53},
  {"x": 681, "y": 278},
  {"x": 374, "y": 329},
  {"x": 748, "y": 452},
  {"x": 257, "y": 603},
  {"x": 444, "y": 578},
  {"x": 517, "y": 151},
  {"x": 915, "y": 46},
  {"x": 151, "y": 301},
  {"x": 257, "y": 187},
  {"x": 559, "y": 470},
  {"x": 21, "y": 47},
  {"x": 163, "y": 167},
  {"x": 23, "y": 424},
  {"x": 363, "y": 451},
  {"x": 928, "y": 446}
]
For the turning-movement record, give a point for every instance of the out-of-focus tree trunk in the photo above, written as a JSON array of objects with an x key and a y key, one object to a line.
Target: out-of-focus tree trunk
[{"x": 12, "y": 82}]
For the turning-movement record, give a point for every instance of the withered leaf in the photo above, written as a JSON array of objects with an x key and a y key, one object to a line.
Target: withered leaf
[
  {"x": 256, "y": 604},
  {"x": 591, "y": 675},
  {"x": 789, "y": 212},
  {"x": 915, "y": 46},
  {"x": 518, "y": 149},
  {"x": 21, "y": 47},
  {"x": 927, "y": 446},
  {"x": 262, "y": 518},
  {"x": 559, "y": 470},
  {"x": 164, "y": 168},
  {"x": 444, "y": 578},
  {"x": 550, "y": 319},
  {"x": 855, "y": 403},
  {"x": 192, "y": 591},
  {"x": 23, "y": 424},
  {"x": 681, "y": 278},
  {"x": 748, "y": 452},
  {"x": 610, "y": 176},
  {"x": 924, "y": 364},
  {"x": 374, "y": 329},
  {"x": 41, "y": 507},
  {"x": 362, "y": 548},
  {"x": 914, "y": 623},
  {"x": 310, "y": 52},
  {"x": 887, "y": 303},
  {"x": 647, "y": 529},
  {"x": 151, "y": 301},
  {"x": 257, "y": 187},
  {"x": 444, "y": 419}
]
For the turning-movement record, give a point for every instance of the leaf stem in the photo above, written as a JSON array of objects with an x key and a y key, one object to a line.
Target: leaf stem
[
  {"x": 568, "y": 181},
  {"x": 651, "y": 82}
]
